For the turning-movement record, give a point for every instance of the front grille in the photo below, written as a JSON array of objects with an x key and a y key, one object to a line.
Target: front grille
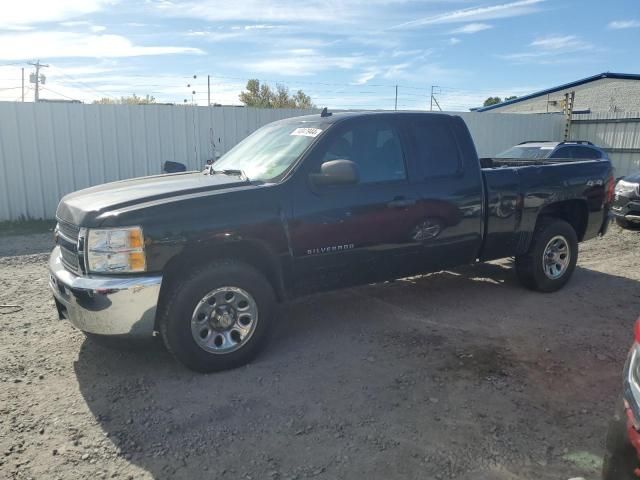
[
  {"x": 67, "y": 239},
  {"x": 68, "y": 230},
  {"x": 70, "y": 259}
]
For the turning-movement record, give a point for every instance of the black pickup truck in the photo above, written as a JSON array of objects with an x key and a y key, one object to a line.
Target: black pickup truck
[{"x": 309, "y": 204}]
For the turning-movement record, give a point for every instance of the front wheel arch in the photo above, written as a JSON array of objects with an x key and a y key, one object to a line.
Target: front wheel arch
[{"x": 249, "y": 252}]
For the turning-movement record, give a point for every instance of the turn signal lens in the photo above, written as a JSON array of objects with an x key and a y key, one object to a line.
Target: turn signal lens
[
  {"x": 135, "y": 238},
  {"x": 137, "y": 262}
]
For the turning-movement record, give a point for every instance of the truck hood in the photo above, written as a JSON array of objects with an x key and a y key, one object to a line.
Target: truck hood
[
  {"x": 634, "y": 178},
  {"x": 85, "y": 206}
]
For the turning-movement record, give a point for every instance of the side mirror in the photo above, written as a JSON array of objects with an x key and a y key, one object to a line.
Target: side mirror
[
  {"x": 336, "y": 172},
  {"x": 174, "y": 167}
]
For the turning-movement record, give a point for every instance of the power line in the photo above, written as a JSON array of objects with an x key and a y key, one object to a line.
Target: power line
[
  {"x": 78, "y": 82},
  {"x": 58, "y": 93}
]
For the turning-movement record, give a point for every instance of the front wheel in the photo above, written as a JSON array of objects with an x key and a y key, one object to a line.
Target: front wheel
[
  {"x": 218, "y": 317},
  {"x": 552, "y": 256}
]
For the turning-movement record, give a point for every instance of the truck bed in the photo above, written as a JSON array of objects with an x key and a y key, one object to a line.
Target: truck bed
[{"x": 518, "y": 191}]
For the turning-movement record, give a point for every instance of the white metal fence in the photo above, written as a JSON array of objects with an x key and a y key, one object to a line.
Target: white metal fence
[
  {"x": 617, "y": 133},
  {"x": 48, "y": 150}
]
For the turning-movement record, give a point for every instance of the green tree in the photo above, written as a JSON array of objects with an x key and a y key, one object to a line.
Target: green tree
[
  {"x": 263, "y": 96},
  {"x": 132, "y": 100},
  {"x": 513, "y": 97},
  {"x": 492, "y": 101}
]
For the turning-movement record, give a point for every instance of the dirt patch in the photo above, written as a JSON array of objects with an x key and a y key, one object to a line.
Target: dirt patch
[{"x": 460, "y": 374}]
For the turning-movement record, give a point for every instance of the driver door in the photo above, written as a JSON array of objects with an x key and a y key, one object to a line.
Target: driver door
[{"x": 352, "y": 234}]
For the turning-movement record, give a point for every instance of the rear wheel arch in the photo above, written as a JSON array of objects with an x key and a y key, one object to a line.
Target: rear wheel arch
[
  {"x": 574, "y": 212},
  {"x": 554, "y": 246}
]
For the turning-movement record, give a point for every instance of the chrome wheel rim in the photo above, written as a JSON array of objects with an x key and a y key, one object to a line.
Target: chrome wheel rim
[
  {"x": 556, "y": 257},
  {"x": 224, "y": 320}
]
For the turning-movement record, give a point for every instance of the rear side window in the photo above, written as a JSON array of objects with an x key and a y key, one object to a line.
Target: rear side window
[
  {"x": 586, "y": 152},
  {"x": 562, "y": 152},
  {"x": 436, "y": 148},
  {"x": 577, "y": 152}
]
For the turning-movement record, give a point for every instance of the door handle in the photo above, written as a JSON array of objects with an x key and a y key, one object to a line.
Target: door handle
[{"x": 401, "y": 202}]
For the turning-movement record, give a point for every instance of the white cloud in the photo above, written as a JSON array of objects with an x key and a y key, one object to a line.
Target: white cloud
[
  {"x": 259, "y": 27},
  {"x": 406, "y": 53},
  {"x": 470, "y": 28},
  {"x": 39, "y": 11},
  {"x": 560, "y": 42},
  {"x": 55, "y": 44},
  {"x": 215, "y": 36},
  {"x": 503, "y": 10},
  {"x": 17, "y": 28},
  {"x": 454, "y": 41},
  {"x": 548, "y": 49},
  {"x": 76, "y": 23},
  {"x": 304, "y": 61},
  {"x": 83, "y": 23},
  {"x": 365, "y": 77},
  {"x": 622, "y": 24},
  {"x": 257, "y": 10}
]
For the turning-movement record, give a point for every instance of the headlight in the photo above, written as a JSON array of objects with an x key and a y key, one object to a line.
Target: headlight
[
  {"x": 116, "y": 250},
  {"x": 627, "y": 188}
]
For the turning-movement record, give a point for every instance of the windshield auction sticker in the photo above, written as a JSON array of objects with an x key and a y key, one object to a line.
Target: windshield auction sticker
[{"x": 307, "y": 132}]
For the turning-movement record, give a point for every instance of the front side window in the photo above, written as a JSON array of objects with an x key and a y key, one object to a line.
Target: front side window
[
  {"x": 268, "y": 152},
  {"x": 374, "y": 146}
]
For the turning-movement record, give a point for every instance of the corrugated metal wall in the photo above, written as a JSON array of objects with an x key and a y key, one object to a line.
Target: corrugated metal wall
[
  {"x": 495, "y": 132},
  {"x": 48, "y": 150},
  {"x": 618, "y": 133}
]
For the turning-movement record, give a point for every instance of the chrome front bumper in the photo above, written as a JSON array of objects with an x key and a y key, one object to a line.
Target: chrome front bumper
[{"x": 105, "y": 305}]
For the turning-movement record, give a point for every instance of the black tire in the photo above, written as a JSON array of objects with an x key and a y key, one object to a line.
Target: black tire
[
  {"x": 622, "y": 223},
  {"x": 529, "y": 266},
  {"x": 620, "y": 458},
  {"x": 175, "y": 318}
]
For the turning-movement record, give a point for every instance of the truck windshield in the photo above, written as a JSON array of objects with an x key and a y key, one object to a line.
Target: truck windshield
[
  {"x": 269, "y": 151},
  {"x": 529, "y": 152}
]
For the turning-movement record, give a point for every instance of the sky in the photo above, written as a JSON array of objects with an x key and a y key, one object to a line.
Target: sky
[{"x": 345, "y": 54}]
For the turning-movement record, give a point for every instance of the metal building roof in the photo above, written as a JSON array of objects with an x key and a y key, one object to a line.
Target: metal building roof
[{"x": 599, "y": 76}]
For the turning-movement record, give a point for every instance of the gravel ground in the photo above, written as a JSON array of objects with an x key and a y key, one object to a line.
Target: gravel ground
[{"x": 460, "y": 374}]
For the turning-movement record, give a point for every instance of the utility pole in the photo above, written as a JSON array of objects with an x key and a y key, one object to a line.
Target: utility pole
[
  {"x": 396, "y": 97},
  {"x": 37, "y": 79},
  {"x": 567, "y": 109},
  {"x": 433, "y": 98},
  {"x": 208, "y": 90},
  {"x": 22, "y": 84}
]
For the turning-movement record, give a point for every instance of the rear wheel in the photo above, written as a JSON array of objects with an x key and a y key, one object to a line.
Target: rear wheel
[
  {"x": 551, "y": 258},
  {"x": 218, "y": 317}
]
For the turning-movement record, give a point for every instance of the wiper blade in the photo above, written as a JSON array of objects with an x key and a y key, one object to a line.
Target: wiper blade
[{"x": 230, "y": 171}]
